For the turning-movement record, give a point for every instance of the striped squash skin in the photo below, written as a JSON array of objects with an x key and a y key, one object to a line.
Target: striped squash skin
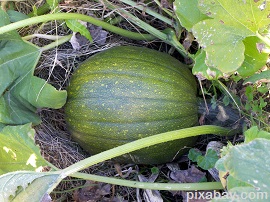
[{"x": 127, "y": 93}]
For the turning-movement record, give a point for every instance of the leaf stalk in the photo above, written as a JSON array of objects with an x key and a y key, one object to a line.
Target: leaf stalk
[
  {"x": 152, "y": 186},
  {"x": 145, "y": 142},
  {"x": 76, "y": 16}
]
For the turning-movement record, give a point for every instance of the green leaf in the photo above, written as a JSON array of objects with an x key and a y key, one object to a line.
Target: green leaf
[
  {"x": 38, "y": 92},
  {"x": 18, "y": 150},
  {"x": 222, "y": 37},
  {"x": 201, "y": 70},
  {"x": 263, "y": 88},
  {"x": 4, "y": 18},
  {"x": 20, "y": 92},
  {"x": 233, "y": 182},
  {"x": 18, "y": 58},
  {"x": 193, "y": 154},
  {"x": 52, "y": 3},
  {"x": 188, "y": 13},
  {"x": 226, "y": 100},
  {"x": 242, "y": 194},
  {"x": 15, "y": 113},
  {"x": 254, "y": 133},
  {"x": 221, "y": 43},
  {"x": 27, "y": 186},
  {"x": 1, "y": 126},
  {"x": 16, "y": 16},
  {"x": 76, "y": 26},
  {"x": 249, "y": 93},
  {"x": 262, "y": 76},
  {"x": 155, "y": 170},
  {"x": 247, "y": 16},
  {"x": 208, "y": 161},
  {"x": 254, "y": 60},
  {"x": 249, "y": 163}
]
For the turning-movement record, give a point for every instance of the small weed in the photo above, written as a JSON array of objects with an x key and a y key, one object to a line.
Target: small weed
[{"x": 256, "y": 102}]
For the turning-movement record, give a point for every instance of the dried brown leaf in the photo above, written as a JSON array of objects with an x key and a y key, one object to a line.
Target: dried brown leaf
[
  {"x": 190, "y": 175},
  {"x": 92, "y": 192}
]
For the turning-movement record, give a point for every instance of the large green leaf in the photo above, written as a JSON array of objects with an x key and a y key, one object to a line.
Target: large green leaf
[
  {"x": 222, "y": 44},
  {"x": 18, "y": 59},
  {"x": 4, "y": 18},
  {"x": 202, "y": 71},
  {"x": 18, "y": 150},
  {"x": 1, "y": 126},
  {"x": 248, "y": 16},
  {"x": 20, "y": 92},
  {"x": 222, "y": 37},
  {"x": 242, "y": 194},
  {"x": 188, "y": 13},
  {"x": 18, "y": 105},
  {"x": 27, "y": 186},
  {"x": 254, "y": 133},
  {"x": 248, "y": 164},
  {"x": 254, "y": 60},
  {"x": 16, "y": 16}
]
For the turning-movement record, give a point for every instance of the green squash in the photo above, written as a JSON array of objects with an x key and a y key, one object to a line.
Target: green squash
[{"x": 127, "y": 93}]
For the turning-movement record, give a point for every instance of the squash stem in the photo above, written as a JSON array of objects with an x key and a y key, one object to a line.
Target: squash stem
[
  {"x": 76, "y": 16},
  {"x": 265, "y": 39},
  {"x": 57, "y": 42},
  {"x": 145, "y": 142},
  {"x": 152, "y": 186}
]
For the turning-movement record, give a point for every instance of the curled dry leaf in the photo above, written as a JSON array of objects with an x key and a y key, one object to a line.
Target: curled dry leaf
[
  {"x": 190, "y": 175},
  {"x": 189, "y": 38},
  {"x": 92, "y": 192},
  {"x": 123, "y": 173}
]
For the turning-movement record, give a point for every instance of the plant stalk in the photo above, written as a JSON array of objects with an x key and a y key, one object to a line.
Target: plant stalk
[
  {"x": 43, "y": 36},
  {"x": 76, "y": 16},
  {"x": 57, "y": 42},
  {"x": 145, "y": 142},
  {"x": 266, "y": 39},
  {"x": 152, "y": 186}
]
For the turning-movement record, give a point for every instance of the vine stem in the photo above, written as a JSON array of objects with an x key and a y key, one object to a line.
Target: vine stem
[
  {"x": 44, "y": 36},
  {"x": 57, "y": 42},
  {"x": 264, "y": 39},
  {"x": 75, "y": 16},
  {"x": 152, "y": 186},
  {"x": 74, "y": 169},
  {"x": 142, "y": 143}
]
